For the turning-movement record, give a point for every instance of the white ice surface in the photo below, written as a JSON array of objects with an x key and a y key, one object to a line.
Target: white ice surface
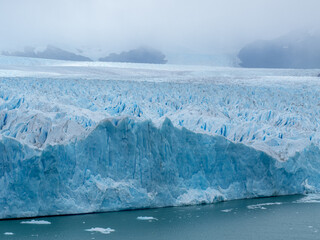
[{"x": 46, "y": 102}]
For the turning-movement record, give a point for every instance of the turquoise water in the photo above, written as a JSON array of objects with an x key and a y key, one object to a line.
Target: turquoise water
[{"x": 288, "y": 217}]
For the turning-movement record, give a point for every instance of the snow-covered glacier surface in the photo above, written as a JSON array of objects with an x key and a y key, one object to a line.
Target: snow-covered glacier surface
[{"x": 88, "y": 137}]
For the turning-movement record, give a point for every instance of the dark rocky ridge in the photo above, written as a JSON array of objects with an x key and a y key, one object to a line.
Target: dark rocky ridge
[
  {"x": 295, "y": 50},
  {"x": 138, "y": 55},
  {"x": 51, "y": 52}
]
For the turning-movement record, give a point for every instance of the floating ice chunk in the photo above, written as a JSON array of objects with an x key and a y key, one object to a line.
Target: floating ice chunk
[
  {"x": 145, "y": 218},
  {"x": 40, "y": 222},
  {"x": 101, "y": 230},
  {"x": 227, "y": 210},
  {"x": 262, "y": 205},
  {"x": 8, "y": 233},
  {"x": 310, "y": 198}
]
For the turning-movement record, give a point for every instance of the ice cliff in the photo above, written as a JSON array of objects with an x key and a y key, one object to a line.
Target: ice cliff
[{"x": 87, "y": 137}]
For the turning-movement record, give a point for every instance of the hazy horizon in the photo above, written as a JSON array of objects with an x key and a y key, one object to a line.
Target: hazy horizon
[{"x": 200, "y": 27}]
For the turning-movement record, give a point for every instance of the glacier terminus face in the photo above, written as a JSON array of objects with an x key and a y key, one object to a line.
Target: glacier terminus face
[{"x": 90, "y": 137}]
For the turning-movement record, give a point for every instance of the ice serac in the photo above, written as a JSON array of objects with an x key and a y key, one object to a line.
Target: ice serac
[{"x": 124, "y": 164}]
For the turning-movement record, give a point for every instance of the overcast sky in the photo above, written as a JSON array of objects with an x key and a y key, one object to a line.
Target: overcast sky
[{"x": 202, "y": 26}]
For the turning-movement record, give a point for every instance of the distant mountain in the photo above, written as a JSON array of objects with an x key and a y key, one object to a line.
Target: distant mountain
[
  {"x": 51, "y": 52},
  {"x": 294, "y": 50},
  {"x": 138, "y": 55}
]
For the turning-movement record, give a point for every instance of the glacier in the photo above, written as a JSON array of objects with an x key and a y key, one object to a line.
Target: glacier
[{"x": 80, "y": 137}]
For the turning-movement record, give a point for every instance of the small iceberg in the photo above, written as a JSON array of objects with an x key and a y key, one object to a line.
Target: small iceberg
[
  {"x": 40, "y": 222},
  {"x": 227, "y": 210},
  {"x": 145, "y": 218},
  {"x": 101, "y": 230},
  {"x": 310, "y": 198},
  {"x": 262, "y": 205}
]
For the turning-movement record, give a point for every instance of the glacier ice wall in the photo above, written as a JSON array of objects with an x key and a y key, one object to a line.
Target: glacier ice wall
[
  {"x": 85, "y": 137},
  {"x": 123, "y": 164}
]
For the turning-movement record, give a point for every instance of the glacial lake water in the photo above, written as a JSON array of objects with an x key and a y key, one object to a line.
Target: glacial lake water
[{"x": 287, "y": 217}]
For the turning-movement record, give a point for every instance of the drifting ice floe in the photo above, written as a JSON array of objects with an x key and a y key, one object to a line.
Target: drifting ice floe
[
  {"x": 310, "y": 198},
  {"x": 145, "y": 218},
  {"x": 263, "y": 205},
  {"x": 101, "y": 230},
  {"x": 227, "y": 210},
  {"x": 39, "y": 222}
]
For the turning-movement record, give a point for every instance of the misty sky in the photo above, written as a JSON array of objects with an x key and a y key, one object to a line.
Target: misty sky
[{"x": 202, "y": 26}]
